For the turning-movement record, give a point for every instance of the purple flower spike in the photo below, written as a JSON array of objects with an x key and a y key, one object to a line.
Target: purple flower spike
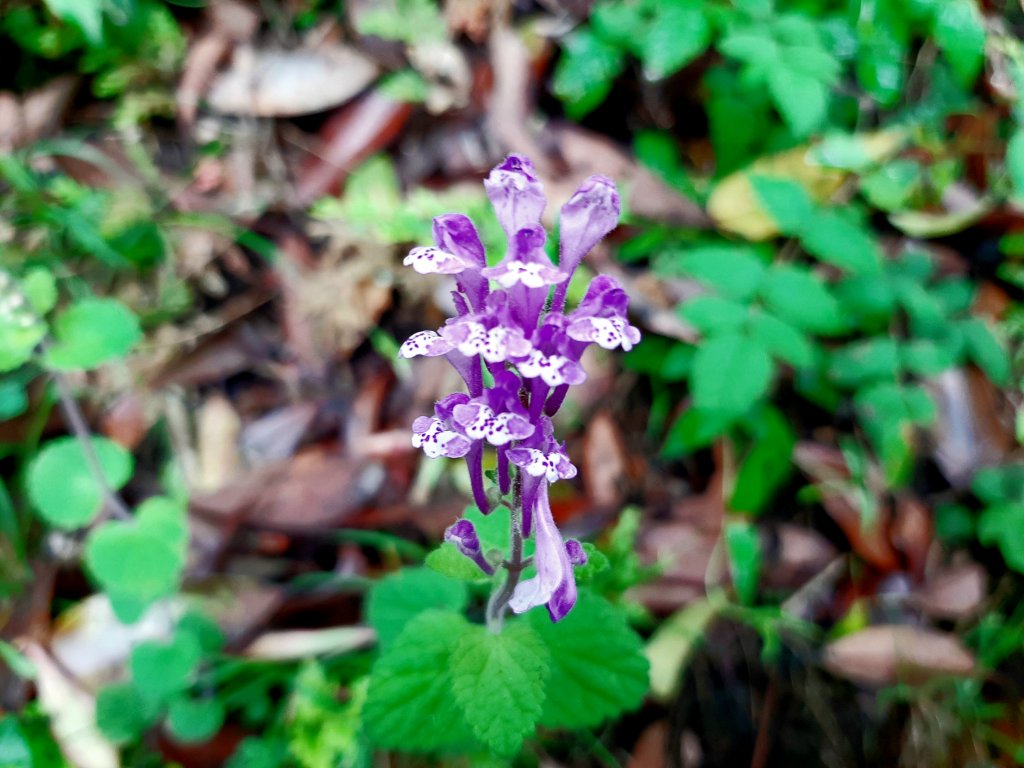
[
  {"x": 516, "y": 194},
  {"x": 463, "y": 535},
  {"x": 591, "y": 213},
  {"x": 518, "y": 357}
]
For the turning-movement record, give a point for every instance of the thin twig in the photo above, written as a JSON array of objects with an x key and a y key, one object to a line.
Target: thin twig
[
  {"x": 763, "y": 745},
  {"x": 75, "y": 419}
]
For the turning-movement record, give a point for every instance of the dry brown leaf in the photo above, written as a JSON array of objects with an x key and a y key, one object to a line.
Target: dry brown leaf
[
  {"x": 956, "y": 593},
  {"x": 735, "y": 207},
  {"x": 890, "y": 654},
  {"x": 93, "y": 646},
  {"x": 292, "y": 645},
  {"x": 217, "y": 428},
  {"x": 279, "y": 83},
  {"x": 968, "y": 433},
  {"x": 350, "y": 136},
  {"x": 314, "y": 489},
  {"x": 276, "y": 435},
  {"x": 37, "y": 114},
  {"x": 798, "y": 554},
  {"x": 605, "y": 463},
  {"x": 72, "y": 713}
]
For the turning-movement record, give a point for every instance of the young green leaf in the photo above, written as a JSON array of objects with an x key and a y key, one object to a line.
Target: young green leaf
[
  {"x": 1000, "y": 525},
  {"x": 122, "y": 713},
  {"x": 713, "y": 314},
  {"x": 730, "y": 374},
  {"x": 396, "y": 599},
  {"x": 192, "y": 721},
  {"x": 680, "y": 34},
  {"x": 799, "y": 297},
  {"x": 986, "y": 350},
  {"x": 837, "y": 240},
  {"x": 410, "y": 703},
  {"x": 801, "y": 98},
  {"x": 90, "y": 333},
  {"x": 598, "y": 667},
  {"x": 766, "y": 465},
  {"x": 61, "y": 484},
  {"x": 499, "y": 681},
  {"x": 694, "y": 429},
  {"x": 140, "y": 561},
  {"x": 782, "y": 340},
  {"x": 959, "y": 31},
  {"x": 743, "y": 544},
  {"x": 734, "y": 271},
  {"x": 786, "y": 201},
  {"x": 865, "y": 361},
  {"x": 585, "y": 72},
  {"x": 160, "y": 670}
]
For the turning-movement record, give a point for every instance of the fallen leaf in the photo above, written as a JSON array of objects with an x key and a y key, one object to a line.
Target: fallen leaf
[
  {"x": 890, "y": 654},
  {"x": 217, "y": 429},
  {"x": 605, "y": 463},
  {"x": 956, "y": 593},
  {"x": 292, "y": 645},
  {"x": 72, "y": 712},
  {"x": 674, "y": 641},
  {"x": 273, "y": 82}
]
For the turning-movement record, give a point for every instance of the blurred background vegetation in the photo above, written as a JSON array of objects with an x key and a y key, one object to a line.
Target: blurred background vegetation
[{"x": 807, "y": 480}]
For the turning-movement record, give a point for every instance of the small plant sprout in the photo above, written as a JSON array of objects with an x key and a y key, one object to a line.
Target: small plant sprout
[{"x": 518, "y": 351}]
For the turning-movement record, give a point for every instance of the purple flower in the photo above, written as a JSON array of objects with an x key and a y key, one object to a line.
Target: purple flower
[
  {"x": 462, "y": 533},
  {"x": 530, "y": 348}
]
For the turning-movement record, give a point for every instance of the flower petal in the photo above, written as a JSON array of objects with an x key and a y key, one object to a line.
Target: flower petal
[
  {"x": 482, "y": 423},
  {"x": 435, "y": 440},
  {"x": 426, "y": 343},
  {"x": 533, "y": 461},
  {"x": 555, "y": 370},
  {"x": 554, "y": 583},
  {"x": 516, "y": 194},
  {"x": 607, "y": 332},
  {"x": 590, "y": 214},
  {"x": 426, "y": 259}
]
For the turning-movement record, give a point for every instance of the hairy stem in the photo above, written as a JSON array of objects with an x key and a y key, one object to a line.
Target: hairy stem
[
  {"x": 76, "y": 421},
  {"x": 515, "y": 565}
]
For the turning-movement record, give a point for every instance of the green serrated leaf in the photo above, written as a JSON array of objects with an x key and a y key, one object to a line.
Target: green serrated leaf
[
  {"x": 40, "y": 289},
  {"x": 801, "y": 98},
  {"x": 766, "y": 465},
  {"x": 986, "y": 351},
  {"x": 680, "y": 34},
  {"x": 499, "y": 681},
  {"x": 448, "y": 561},
  {"x": 122, "y": 713},
  {"x": 409, "y": 705},
  {"x": 743, "y": 545},
  {"x": 730, "y": 374},
  {"x": 713, "y": 314},
  {"x": 585, "y": 72},
  {"x": 1000, "y": 525},
  {"x": 598, "y": 667},
  {"x": 193, "y": 721},
  {"x": 138, "y": 562},
  {"x": 90, "y": 333},
  {"x": 959, "y": 31},
  {"x": 837, "y": 240},
  {"x": 61, "y": 485},
  {"x": 864, "y": 361},
  {"x": 785, "y": 201},
  {"x": 782, "y": 340},
  {"x": 734, "y": 271},
  {"x": 396, "y": 599},
  {"x": 801, "y": 298},
  {"x": 597, "y": 563},
  {"x": 160, "y": 670}
]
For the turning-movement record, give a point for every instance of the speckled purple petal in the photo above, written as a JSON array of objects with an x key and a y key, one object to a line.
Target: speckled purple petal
[
  {"x": 590, "y": 214},
  {"x": 516, "y": 194}
]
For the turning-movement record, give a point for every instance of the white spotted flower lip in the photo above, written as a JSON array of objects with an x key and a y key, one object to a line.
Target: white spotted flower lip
[
  {"x": 554, "y": 370},
  {"x": 429, "y": 260},
  {"x": 495, "y": 345},
  {"x": 482, "y": 423},
  {"x": 436, "y": 440},
  {"x": 607, "y": 332},
  {"x": 552, "y": 466},
  {"x": 426, "y": 343},
  {"x": 532, "y": 274}
]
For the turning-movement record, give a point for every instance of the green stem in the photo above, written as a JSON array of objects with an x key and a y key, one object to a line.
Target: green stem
[{"x": 515, "y": 565}]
